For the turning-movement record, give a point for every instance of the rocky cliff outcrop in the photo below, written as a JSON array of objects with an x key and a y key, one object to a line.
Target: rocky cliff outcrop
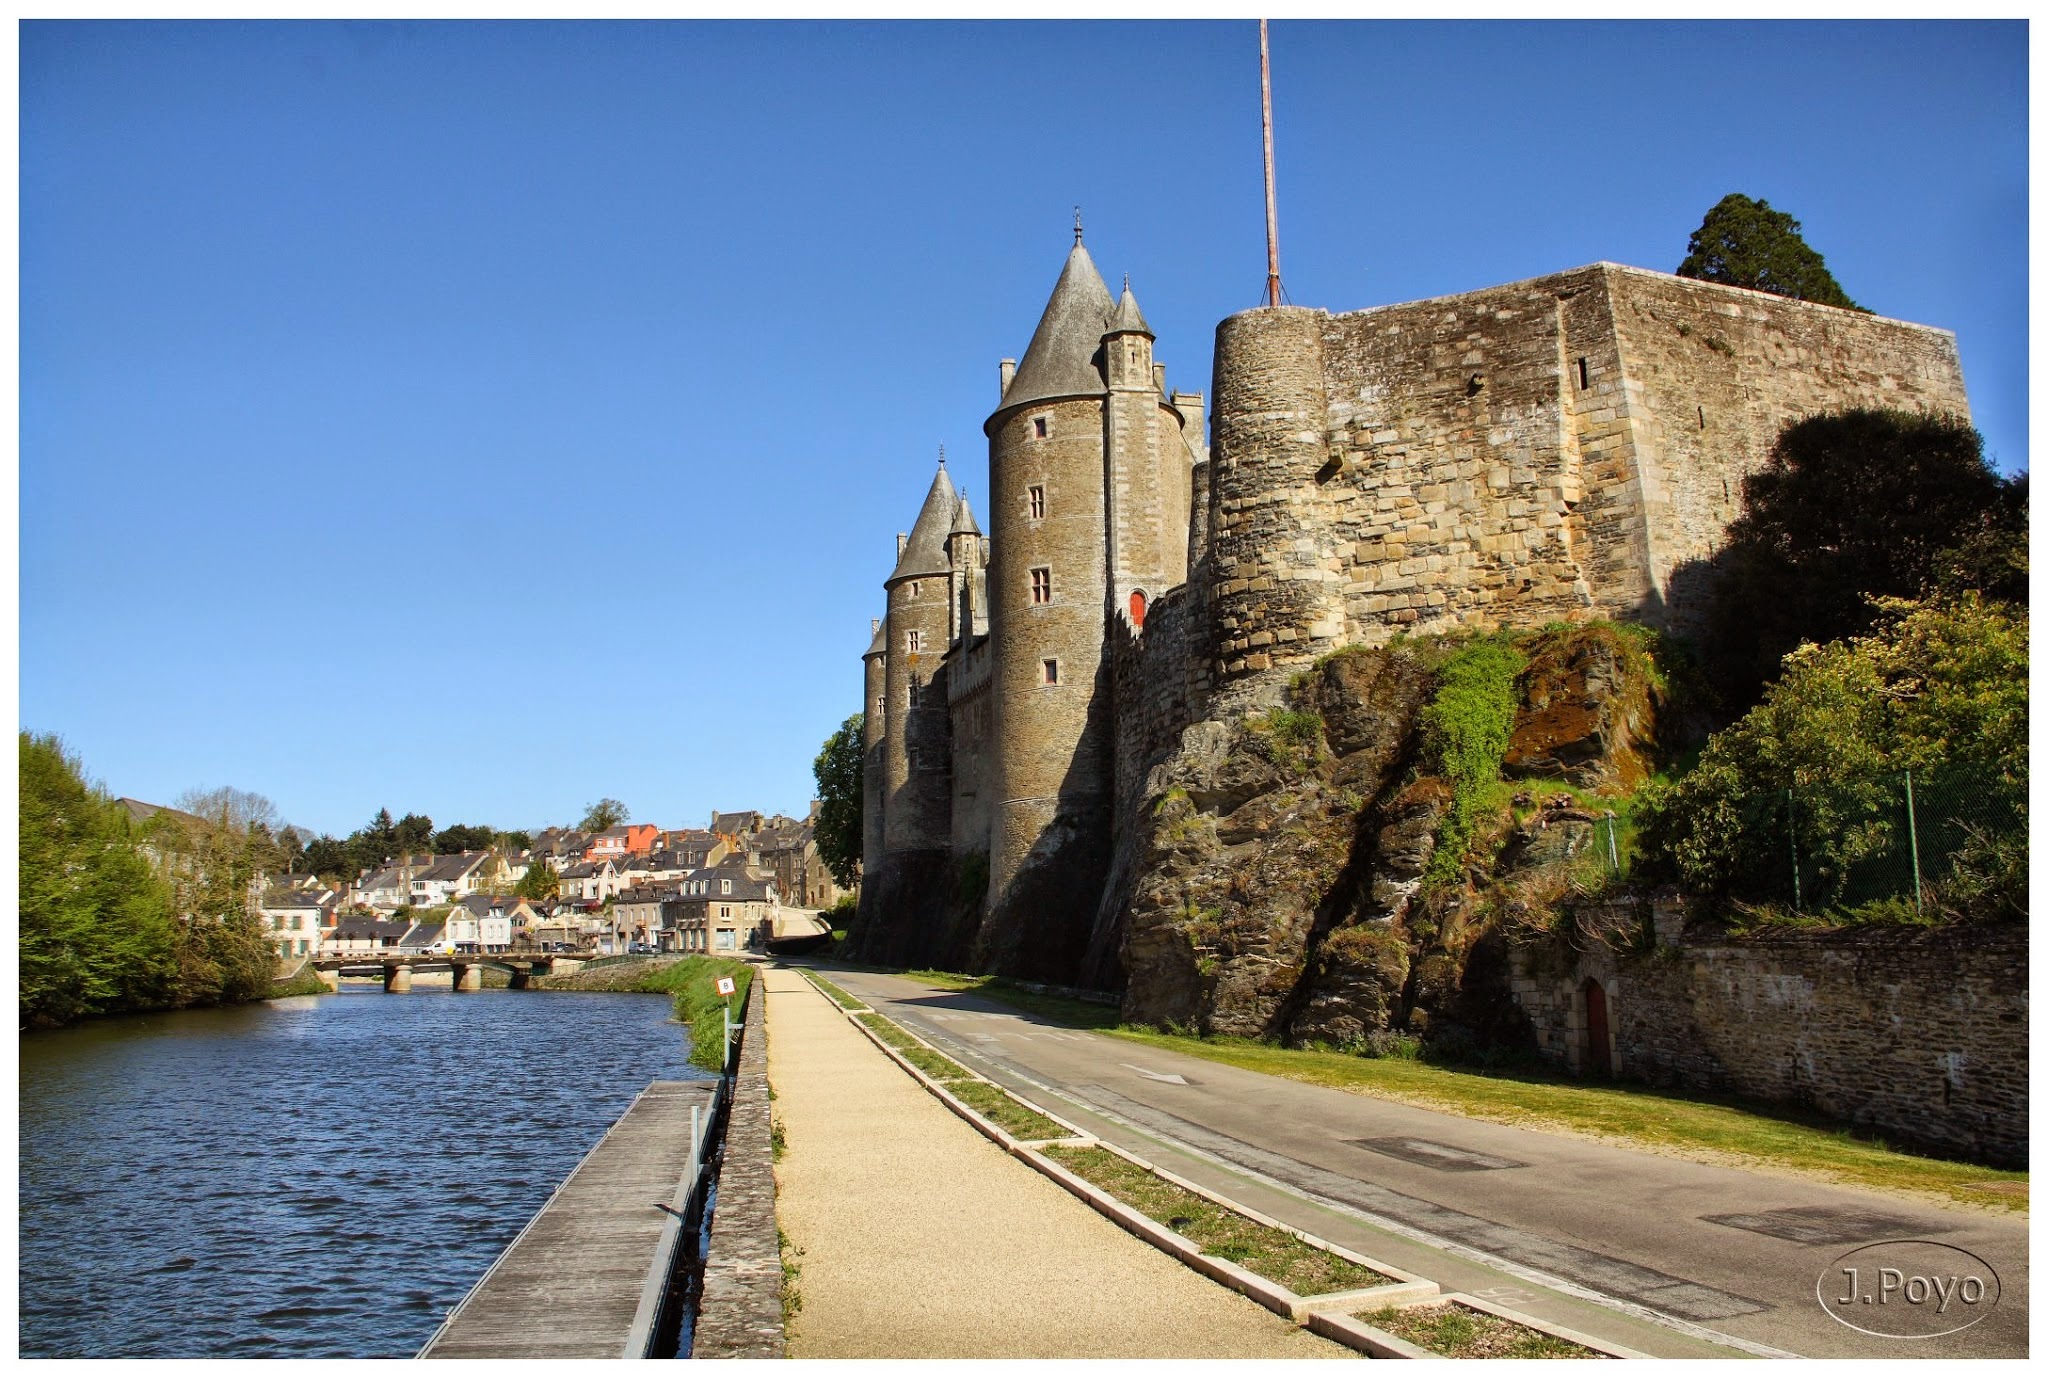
[{"x": 1280, "y": 855}]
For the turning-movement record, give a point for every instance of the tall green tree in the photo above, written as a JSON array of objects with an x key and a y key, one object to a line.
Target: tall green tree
[
  {"x": 605, "y": 813},
  {"x": 1745, "y": 243},
  {"x": 838, "y": 771},
  {"x": 1851, "y": 506},
  {"x": 96, "y": 930},
  {"x": 414, "y": 834}
]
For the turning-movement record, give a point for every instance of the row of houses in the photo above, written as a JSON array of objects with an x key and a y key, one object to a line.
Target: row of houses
[{"x": 723, "y": 907}]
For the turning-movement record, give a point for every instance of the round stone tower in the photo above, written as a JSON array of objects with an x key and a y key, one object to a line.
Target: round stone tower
[
  {"x": 917, "y": 737},
  {"x": 1047, "y": 598},
  {"x": 1279, "y": 591}
]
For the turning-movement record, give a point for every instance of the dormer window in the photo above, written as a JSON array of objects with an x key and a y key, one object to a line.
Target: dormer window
[{"x": 725, "y": 887}]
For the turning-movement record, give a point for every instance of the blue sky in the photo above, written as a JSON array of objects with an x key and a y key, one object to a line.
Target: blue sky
[{"x": 481, "y": 418}]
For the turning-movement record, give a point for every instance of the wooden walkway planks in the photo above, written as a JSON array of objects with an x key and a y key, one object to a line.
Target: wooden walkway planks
[{"x": 570, "y": 1285}]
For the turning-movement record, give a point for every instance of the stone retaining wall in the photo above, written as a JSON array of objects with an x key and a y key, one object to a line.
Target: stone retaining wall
[
  {"x": 1918, "y": 1035},
  {"x": 740, "y": 1316}
]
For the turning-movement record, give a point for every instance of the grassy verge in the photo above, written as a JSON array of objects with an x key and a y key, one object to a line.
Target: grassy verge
[
  {"x": 986, "y": 1100},
  {"x": 833, "y": 993},
  {"x": 1459, "y": 1332},
  {"x": 1639, "y": 1117},
  {"x": 691, "y": 981},
  {"x": 306, "y": 982},
  {"x": 1017, "y": 1121},
  {"x": 1274, "y": 1254}
]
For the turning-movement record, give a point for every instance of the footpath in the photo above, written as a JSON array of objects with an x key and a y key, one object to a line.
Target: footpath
[{"x": 919, "y": 1238}]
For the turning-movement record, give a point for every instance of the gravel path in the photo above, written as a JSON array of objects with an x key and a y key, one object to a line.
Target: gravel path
[{"x": 921, "y": 1239}]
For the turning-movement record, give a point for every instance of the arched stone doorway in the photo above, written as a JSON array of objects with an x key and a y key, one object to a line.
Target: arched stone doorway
[
  {"x": 1137, "y": 607},
  {"x": 1598, "y": 1060}
]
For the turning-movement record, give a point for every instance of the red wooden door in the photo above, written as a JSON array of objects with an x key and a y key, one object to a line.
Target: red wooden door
[{"x": 1597, "y": 1059}]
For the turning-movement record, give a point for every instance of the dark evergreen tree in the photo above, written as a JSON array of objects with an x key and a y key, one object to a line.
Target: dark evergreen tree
[{"x": 1745, "y": 243}]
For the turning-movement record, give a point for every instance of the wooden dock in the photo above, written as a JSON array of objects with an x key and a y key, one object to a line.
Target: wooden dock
[{"x": 582, "y": 1279}]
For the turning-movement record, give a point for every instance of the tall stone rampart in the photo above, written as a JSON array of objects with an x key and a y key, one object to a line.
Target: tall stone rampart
[{"x": 1567, "y": 446}]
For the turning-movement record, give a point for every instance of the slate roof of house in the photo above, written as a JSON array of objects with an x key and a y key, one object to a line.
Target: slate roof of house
[
  {"x": 381, "y": 878},
  {"x": 745, "y": 821},
  {"x": 480, "y": 905},
  {"x": 453, "y": 867},
  {"x": 284, "y": 898},
  {"x": 925, "y": 553},
  {"x": 1061, "y": 359},
  {"x": 138, "y": 811},
  {"x": 357, "y": 929},
  {"x": 423, "y": 935}
]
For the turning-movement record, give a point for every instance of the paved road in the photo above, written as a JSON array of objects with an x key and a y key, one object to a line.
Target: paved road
[{"x": 1667, "y": 1256}]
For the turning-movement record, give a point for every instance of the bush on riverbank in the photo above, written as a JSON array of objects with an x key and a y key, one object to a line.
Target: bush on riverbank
[{"x": 119, "y": 916}]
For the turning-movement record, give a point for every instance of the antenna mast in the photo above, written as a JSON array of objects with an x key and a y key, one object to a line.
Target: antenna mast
[{"x": 1272, "y": 218}]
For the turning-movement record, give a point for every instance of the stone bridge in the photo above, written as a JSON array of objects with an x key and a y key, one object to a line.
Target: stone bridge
[{"x": 465, "y": 968}]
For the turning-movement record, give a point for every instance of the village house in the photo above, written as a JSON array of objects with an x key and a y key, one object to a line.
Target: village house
[
  {"x": 448, "y": 878},
  {"x": 357, "y": 936},
  {"x": 628, "y": 838},
  {"x": 295, "y": 918},
  {"x": 723, "y": 908}
]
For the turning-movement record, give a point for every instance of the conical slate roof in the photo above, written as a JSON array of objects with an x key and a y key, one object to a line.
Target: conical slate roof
[
  {"x": 1058, "y": 363},
  {"x": 925, "y": 552},
  {"x": 963, "y": 520},
  {"x": 1128, "y": 317},
  {"x": 880, "y": 645}
]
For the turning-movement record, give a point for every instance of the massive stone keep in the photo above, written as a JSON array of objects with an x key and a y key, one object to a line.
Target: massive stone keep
[{"x": 1565, "y": 448}]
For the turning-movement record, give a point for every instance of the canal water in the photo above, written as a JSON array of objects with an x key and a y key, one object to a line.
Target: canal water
[{"x": 319, "y": 1177}]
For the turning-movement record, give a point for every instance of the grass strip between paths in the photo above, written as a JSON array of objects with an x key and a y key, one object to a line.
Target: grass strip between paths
[
  {"x": 1018, "y": 1121},
  {"x": 834, "y": 993},
  {"x": 1217, "y": 1231},
  {"x": 1459, "y": 1332},
  {"x": 983, "y": 1098}
]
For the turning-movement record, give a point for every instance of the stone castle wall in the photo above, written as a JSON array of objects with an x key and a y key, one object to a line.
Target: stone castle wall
[
  {"x": 1917, "y": 1035},
  {"x": 1571, "y": 445}
]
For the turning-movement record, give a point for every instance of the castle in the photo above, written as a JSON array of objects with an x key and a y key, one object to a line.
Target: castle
[{"x": 1570, "y": 446}]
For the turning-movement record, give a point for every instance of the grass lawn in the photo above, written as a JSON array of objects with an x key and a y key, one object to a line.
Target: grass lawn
[
  {"x": 1301, "y": 1268},
  {"x": 1768, "y": 1138}
]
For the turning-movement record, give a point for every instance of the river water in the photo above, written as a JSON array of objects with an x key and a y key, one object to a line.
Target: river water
[{"x": 319, "y": 1177}]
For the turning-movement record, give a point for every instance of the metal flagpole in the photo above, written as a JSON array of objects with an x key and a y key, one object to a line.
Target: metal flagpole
[{"x": 1272, "y": 217}]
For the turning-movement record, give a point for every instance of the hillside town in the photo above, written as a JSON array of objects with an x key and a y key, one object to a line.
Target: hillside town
[{"x": 631, "y": 888}]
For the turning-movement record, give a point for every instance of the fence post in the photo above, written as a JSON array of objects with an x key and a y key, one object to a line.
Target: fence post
[
  {"x": 1913, "y": 839},
  {"x": 1792, "y": 838}
]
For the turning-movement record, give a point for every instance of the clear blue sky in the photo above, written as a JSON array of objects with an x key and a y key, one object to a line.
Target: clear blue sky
[{"x": 480, "y": 418}]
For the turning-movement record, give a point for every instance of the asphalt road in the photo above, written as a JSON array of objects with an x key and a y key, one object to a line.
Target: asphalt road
[{"x": 1670, "y": 1257}]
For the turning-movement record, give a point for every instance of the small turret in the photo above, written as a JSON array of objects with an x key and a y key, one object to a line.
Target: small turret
[{"x": 1127, "y": 347}]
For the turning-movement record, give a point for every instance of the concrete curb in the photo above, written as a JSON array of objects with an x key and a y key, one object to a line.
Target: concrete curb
[
  {"x": 1336, "y": 1323},
  {"x": 1577, "y": 1337}
]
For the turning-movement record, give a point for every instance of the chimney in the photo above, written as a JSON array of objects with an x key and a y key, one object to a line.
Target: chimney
[
  {"x": 901, "y": 541},
  {"x": 1159, "y": 378},
  {"x": 1008, "y": 369}
]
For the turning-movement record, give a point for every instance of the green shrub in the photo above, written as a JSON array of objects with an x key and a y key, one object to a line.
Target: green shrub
[
  {"x": 1812, "y": 777},
  {"x": 1465, "y": 734}
]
